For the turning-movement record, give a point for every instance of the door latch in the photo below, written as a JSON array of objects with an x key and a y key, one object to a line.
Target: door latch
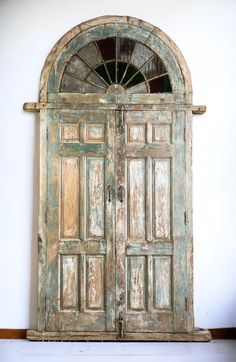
[
  {"x": 121, "y": 193},
  {"x": 109, "y": 191},
  {"x": 121, "y": 325}
]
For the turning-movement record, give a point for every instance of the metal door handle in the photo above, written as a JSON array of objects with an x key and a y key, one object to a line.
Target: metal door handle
[
  {"x": 121, "y": 193},
  {"x": 109, "y": 192}
]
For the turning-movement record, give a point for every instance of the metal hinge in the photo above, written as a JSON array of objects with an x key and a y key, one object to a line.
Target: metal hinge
[
  {"x": 185, "y": 218},
  {"x": 184, "y": 134},
  {"x": 186, "y": 304},
  {"x": 46, "y": 216},
  {"x": 47, "y": 134},
  {"x": 39, "y": 243}
]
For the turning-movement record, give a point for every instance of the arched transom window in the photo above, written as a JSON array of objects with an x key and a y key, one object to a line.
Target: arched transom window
[{"x": 115, "y": 65}]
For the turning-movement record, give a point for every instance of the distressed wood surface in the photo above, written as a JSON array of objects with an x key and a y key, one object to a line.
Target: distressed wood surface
[
  {"x": 152, "y": 286},
  {"x": 69, "y": 282},
  {"x": 115, "y": 223},
  {"x": 125, "y": 26},
  {"x": 42, "y": 220},
  {"x": 75, "y": 101},
  {"x": 70, "y": 197},
  {"x": 194, "y": 336},
  {"x": 80, "y": 283},
  {"x": 149, "y": 195}
]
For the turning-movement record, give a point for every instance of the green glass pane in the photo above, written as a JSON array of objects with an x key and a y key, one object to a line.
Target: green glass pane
[
  {"x": 121, "y": 67},
  {"x": 111, "y": 67},
  {"x": 101, "y": 70}
]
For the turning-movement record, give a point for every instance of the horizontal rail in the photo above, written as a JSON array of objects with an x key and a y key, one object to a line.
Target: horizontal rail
[{"x": 37, "y": 106}]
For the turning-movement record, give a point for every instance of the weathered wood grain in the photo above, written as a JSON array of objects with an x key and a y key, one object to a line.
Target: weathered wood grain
[
  {"x": 150, "y": 101},
  {"x": 161, "y": 134},
  {"x": 162, "y": 282},
  {"x": 95, "y": 282},
  {"x": 115, "y": 220},
  {"x": 95, "y": 175},
  {"x": 136, "y": 286},
  {"x": 136, "y": 193},
  {"x": 194, "y": 336},
  {"x": 70, "y": 197},
  {"x": 70, "y": 133},
  {"x": 69, "y": 282},
  {"x": 161, "y": 186}
]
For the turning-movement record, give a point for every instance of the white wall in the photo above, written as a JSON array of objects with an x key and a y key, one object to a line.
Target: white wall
[{"x": 205, "y": 33}]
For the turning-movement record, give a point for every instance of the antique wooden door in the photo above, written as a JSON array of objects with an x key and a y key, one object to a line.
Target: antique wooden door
[
  {"x": 115, "y": 207},
  {"x": 80, "y": 293},
  {"x": 115, "y": 227}
]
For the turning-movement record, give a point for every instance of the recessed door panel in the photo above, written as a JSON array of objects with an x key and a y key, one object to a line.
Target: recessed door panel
[
  {"x": 95, "y": 197},
  {"x": 136, "y": 286},
  {"x": 161, "y": 193},
  {"x": 70, "y": 197},
  {"x": 69, "y": 286},
  {"x": 136, "y": 198},
  {"x": 95, "y": 282}
]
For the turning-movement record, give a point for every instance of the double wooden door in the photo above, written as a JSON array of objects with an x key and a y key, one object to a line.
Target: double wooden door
[{"x": 116, "y": 243}]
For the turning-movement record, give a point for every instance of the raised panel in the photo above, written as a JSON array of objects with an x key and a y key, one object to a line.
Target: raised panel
[
  {"x": 95, "y": 133},
  {"x": 163, "y": 117},
  {"x": 161, "y": 185},
  {"x": 95, "y": 196},
  {"x": 161, "y": 134},
  {"x": 95, "y": 282},
  {"x": 69, "y": 282},
  {"x": 70, "y": 197},
  {"x": 69, "y": 133},
  {"x": 136, "y": 199},
  {"x": 136, "y": 286},
  {"x": 136, "y": 133},
  {"x": 162, "y": 282}
]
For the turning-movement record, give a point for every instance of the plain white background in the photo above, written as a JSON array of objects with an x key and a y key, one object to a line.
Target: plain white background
[{"x": 205, "y": 32}]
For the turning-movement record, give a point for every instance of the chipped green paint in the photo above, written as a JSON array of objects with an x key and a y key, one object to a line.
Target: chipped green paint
[
  {"x": 82, "y": 280},
  {"x": 122, "y": 30}
]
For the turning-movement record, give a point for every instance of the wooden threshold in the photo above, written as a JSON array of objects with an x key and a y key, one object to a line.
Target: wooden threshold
[{"x": 200, "y": 335}]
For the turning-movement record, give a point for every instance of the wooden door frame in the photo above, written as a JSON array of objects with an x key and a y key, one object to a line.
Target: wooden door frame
[{"x": 50, "y": 97}]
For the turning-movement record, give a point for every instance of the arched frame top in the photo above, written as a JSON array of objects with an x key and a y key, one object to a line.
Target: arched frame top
[{"x": 121, "y": 26}]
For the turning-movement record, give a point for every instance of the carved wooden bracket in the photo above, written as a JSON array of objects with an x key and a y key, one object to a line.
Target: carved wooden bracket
[{"x": 198, "y": 109}]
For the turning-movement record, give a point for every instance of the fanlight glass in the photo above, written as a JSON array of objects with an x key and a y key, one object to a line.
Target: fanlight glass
[{"x": 127, "y": 63}]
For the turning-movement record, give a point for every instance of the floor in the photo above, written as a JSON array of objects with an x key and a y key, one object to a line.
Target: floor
[{"x": 25, "y": 351}]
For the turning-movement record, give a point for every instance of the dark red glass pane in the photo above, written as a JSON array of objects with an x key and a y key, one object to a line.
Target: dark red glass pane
[
  {"x": 160, "y": 85},
  {"x": 125, "y": 48},
  {"x": 107, "y": 48}
]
